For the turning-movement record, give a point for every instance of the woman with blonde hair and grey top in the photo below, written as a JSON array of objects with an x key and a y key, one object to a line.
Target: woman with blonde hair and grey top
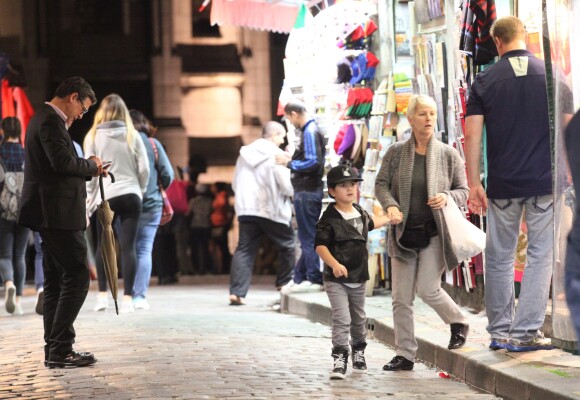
[
  {"x": 113, "y": 137},
  {"x": 415, "y": 180}
]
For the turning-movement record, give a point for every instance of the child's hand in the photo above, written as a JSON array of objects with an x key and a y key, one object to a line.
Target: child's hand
[
  {"x": 395, "y": 215},
  {"x": 340, "y": 270}
]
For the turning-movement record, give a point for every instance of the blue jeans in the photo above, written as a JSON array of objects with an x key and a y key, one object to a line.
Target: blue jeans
[
  {"x": 573, "y": 274},
  {"x": 504, "y": 219},
  {"x": 251, "y": 231},
  {"x": 148, "y": 224},
  {"x": 13, "y": 239},
  {"x": 307, "y": 206},
  {"x": 38, "y": 256}
]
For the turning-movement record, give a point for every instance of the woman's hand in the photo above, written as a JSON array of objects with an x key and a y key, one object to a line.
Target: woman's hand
[
  {"x": 395, "y": 215},
  {"x": 438, "y": 201}
]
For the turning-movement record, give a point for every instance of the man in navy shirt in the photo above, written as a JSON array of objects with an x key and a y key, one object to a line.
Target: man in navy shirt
[
  {"x": 510, "y": 98},
  {"x": 306, "y": 167}
]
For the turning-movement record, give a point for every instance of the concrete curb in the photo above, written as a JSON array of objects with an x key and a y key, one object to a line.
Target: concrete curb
[{"x": 524, "y": 376}]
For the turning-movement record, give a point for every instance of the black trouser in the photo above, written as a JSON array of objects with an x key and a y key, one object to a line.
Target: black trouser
[
  {"x": 199, "y": 245},
  {"x": 66, "y": 284},
  {"x": 251, "y": 230},
  {"x": 127, "y": 207}
]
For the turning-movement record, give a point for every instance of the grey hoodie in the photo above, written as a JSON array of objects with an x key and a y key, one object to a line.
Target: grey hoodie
[
  {"x": 262, "y": 188},
  {"x": 130, "y": 166}
]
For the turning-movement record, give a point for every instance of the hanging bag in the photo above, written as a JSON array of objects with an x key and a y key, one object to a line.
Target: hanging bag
[
  {"x": 10, "y": 193},
  {"x": 467, "y": 239},
  {"x": 167, "y": 212}
]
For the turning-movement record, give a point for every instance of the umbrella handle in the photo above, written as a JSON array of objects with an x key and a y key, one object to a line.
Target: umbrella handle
[{"x": 101, "y": 184}]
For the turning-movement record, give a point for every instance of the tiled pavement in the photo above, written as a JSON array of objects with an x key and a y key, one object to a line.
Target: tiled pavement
[
  {"x": 539, "y": 375},
  {"x": 192, "y": 345}
]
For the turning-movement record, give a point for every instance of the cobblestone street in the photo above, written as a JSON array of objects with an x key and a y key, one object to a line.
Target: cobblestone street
[{"x": 193, "y": 345}]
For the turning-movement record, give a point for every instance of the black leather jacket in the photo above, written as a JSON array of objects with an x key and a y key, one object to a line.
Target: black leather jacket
[{"x": 345, "y": 243}]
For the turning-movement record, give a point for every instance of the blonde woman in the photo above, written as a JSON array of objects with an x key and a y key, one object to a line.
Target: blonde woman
[
  {"x": 415, "y": 180},
  {"x": 114, "y": 138}
]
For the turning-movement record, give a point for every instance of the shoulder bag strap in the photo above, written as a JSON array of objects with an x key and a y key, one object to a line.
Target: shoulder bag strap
[{"x": 152, "y": 141}]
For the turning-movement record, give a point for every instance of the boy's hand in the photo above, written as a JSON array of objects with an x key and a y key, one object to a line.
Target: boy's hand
[
  {"x": 340, "y": 270},
  {"x": 395, "y": 215}
]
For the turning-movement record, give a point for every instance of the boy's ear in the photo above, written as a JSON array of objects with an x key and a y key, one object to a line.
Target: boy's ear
[{"x": 331, "y": 191}]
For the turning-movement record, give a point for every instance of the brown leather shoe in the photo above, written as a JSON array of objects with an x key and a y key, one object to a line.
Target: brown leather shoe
[
  {"x": 399, "y": 363},
  {"x": 72, "y": 360}
]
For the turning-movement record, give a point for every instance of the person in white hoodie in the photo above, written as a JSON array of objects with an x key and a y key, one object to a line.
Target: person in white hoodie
[
  {"x": 262, "y": 202},
  {"x": 114, "y": 138}
]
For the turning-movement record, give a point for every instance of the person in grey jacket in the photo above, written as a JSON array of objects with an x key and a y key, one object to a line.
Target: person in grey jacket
[
  {"x": 113, "y": 137},
  {"x": 160, "y": 173},
  {"x": 413, "y": 184},
  {"x": 263, "y": 206}
]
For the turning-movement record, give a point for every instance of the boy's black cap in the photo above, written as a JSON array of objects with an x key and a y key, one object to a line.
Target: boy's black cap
[{"x": 341, "y": 173}]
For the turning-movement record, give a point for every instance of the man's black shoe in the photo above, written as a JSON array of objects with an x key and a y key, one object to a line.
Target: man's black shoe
[
  {"x": 73, "y": 360},
  {"x": 399, "y": 363},
  {"x": 458, "y": 336}
]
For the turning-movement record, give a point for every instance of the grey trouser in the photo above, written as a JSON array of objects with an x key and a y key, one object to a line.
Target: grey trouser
[
  {"x": 423, "y": 275},
  {"x": 348, "y": 314},
  {"x": 503, "y": 228}
]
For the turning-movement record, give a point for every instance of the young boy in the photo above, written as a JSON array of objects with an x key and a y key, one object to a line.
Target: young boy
[{"x": 341, "y": 242}]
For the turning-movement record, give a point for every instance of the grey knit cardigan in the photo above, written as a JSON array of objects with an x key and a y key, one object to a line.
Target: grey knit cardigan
[{"x": 445, "y": 174}]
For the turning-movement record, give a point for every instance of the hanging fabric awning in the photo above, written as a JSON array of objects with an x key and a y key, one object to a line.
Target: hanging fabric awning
[{"x": 275, "y": 16}]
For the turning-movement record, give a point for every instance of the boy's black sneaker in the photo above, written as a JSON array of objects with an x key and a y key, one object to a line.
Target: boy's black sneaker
[
  {"x": 340, "y": 364},
  {"x": 359, "y": 363}
]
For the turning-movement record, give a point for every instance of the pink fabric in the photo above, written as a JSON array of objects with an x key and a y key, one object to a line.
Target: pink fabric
[{"x": 254, "y": 14}]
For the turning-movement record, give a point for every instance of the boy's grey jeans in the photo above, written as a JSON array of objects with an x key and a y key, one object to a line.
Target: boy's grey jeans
[{"x": 348, "y": 314}]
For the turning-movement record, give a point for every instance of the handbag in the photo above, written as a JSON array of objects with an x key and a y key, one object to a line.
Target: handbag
[
  {"x": 418, "y": 236},
  {"x": 167, "y": 211},
  {"x": 10, "y": 193},
  {"x": 467, "y": 240}
]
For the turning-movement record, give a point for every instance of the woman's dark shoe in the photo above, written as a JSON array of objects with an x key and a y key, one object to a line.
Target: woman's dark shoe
[
  {"x": 399, "y": 363},
  {"x": 458, "y": 336}
]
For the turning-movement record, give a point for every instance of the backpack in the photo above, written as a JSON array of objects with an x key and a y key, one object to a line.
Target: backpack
[{"x": 10, "y": 194}]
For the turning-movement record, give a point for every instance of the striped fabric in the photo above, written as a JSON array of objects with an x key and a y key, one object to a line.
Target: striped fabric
[{"x": 475, "y": 40}]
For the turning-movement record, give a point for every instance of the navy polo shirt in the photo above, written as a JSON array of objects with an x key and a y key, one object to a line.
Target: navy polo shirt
[{"x": 512, "y": 97}]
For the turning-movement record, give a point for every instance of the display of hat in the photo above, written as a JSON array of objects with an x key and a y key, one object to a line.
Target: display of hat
[
  {"x": 371, "y": 65},
  {"x": 345, "y": 148},
  {"x": 358, "y": 66},
  {"x": 370, "y": 27},
  {"x": 357, "y": 142},
  {"x": 344, "y": 71},
  {"x": 364, "y": 140},
  {"x": 338, "y": 138},
  {"x": 342, "y": 173}
]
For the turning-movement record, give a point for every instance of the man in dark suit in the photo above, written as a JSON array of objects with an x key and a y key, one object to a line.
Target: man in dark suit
[{"x": 54, "y": 204}]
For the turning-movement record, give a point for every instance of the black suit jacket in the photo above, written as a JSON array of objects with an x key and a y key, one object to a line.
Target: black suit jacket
[{"x": 54, "y": 192}]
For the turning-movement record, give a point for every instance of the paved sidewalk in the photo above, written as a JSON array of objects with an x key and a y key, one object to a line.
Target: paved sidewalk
[
  {"x": 193, "y": 345},
  {"x": 540, "y": 375}
]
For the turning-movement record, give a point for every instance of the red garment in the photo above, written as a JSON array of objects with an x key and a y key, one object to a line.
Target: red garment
[
  {"x": 8, "y": 109},
  {"x": 219, "y": 215},
  {"x": 24, "y": 110}
]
